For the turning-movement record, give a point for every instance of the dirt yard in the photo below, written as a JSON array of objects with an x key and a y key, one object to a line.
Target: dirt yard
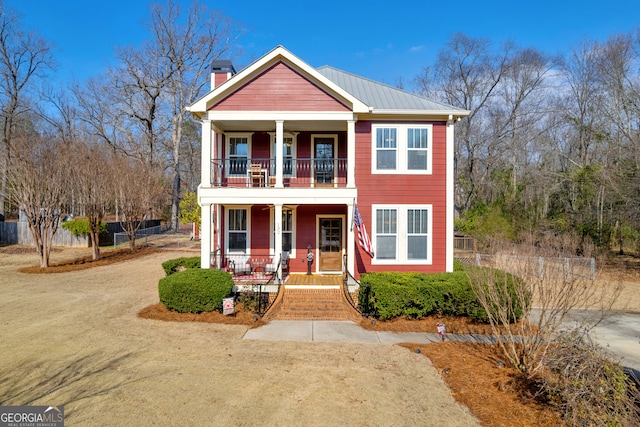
[{"x": 75, "y": 339}]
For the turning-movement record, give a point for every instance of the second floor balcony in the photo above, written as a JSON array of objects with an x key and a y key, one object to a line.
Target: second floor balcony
[{"x": 295, "y": 173}]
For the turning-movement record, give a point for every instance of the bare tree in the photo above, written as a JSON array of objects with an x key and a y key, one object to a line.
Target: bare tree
[
  {"x": 138, "y": 187},
  {"x": 189, "y": 41},
  {"x": 94, "y": 172},
  {"x": 538, "y": 279},
  {"x": 467, "y": 75},
  {"x": 23, "y": 57},
  {"x": 38, "y": 176}
]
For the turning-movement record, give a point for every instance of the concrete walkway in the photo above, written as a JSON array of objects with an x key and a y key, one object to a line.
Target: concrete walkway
[
  {"x": 345, "y": 331},
  {"x": 619, "y": 334}
]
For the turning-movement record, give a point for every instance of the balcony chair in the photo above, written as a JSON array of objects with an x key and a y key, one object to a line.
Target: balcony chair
[{"x": 256, "y": 174}]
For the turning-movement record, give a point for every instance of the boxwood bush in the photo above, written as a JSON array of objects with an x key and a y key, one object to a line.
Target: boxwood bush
[
  {"x": 195, "y": 290},
  {"x": 179, "y": 264},
  {"x": 415, "y": 295}
]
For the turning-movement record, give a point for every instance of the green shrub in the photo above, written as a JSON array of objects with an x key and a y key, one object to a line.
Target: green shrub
[
  {"x": 80, "y": 227},
  {"x": 195, "y": 290},
  {"x": 179, "y": 264},
  {"x": 415, "y": 295}
]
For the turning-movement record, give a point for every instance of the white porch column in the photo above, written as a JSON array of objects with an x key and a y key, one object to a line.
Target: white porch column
[
  {"x": 206, "y": 237},
  {"x": 279, "y": 155},
  {"x": 351, "y": 154},
  {"x": 351, "y": 241},
  {"x": 277, "y": 240},
  {"x": 450, "y": 193},
  {"x": 206, "y": 150}
]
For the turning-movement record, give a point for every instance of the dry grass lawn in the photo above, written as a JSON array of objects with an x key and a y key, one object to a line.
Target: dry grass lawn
[{"x": 99, "y": 342}]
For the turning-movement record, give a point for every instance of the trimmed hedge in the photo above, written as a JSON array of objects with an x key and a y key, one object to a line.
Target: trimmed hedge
[
  {"x": 174, "y": 265},
  {"x": 415, "y": 295},
  {"x": 195, "y": 290}
]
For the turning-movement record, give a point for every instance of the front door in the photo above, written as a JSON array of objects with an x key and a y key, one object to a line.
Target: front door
[
  {"x": 323, "y": 161},
  {"x": 330, "y": 238}
]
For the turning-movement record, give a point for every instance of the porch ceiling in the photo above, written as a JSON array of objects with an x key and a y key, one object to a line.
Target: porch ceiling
[{"x": 289, "y": 125}]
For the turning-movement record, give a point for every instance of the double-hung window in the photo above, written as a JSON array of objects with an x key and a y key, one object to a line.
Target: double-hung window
[
  {"x": 386, "y": 234},
  {"x": 401, "y": 149},
  {"x": 386, "y": 148},
  {"x": 238, "y": 154},
  {"x": 287, "y": 226},
  {"x": 287, "y": 230},
  {"x": 237, "y": 230},
  {"x": 417, "y": 234},
  {"x": 402, "y": 234}
]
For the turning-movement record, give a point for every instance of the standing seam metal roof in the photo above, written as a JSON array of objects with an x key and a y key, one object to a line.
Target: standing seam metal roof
[{"x": 381, "y": 96}]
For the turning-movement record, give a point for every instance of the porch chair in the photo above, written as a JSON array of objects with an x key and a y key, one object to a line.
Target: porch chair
[
  {"x": 241, "y": 266},
  {"x": 271, "y": 267},
  {"x": 256, "y": 174}
]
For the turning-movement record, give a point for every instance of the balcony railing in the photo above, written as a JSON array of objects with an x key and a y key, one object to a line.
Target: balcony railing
[{"x": 300, "y": 173}]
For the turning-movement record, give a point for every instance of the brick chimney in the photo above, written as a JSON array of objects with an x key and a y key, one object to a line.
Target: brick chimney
[{"x": 221, "y": 71}]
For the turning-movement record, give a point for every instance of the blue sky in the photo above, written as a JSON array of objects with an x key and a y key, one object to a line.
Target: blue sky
[{"x": 381, "y": 40}]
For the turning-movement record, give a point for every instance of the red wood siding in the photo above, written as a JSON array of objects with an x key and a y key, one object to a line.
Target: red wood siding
[
  {"x": 403, "y": 189},
  {"x": 280, "y": 88},
  {"x": 260, "y": 229}
]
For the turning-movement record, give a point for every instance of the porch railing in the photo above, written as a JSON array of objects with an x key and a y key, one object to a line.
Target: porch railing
[
  {"x": 353, "y": 297},
  {"x": 258, "y": 296},
  {"x": 296, "y": 172}
]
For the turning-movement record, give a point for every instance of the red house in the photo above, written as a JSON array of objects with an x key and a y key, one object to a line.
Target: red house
[{"x": 290, "y": 153}]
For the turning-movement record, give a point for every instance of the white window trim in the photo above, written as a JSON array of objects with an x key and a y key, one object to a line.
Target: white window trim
[
  {"x": 227, "y": 143},
  {"x": 402, "y": 148},
  {"x": 402, "y": 235},
  {"x": 226, "y": 228},
  {"x": 294, "y": 210}
]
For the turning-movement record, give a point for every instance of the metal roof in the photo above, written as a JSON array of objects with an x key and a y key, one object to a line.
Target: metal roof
[{"x": 381, "y": 96}]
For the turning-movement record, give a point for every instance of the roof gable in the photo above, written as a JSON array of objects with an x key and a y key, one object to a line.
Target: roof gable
[
  {"x": 277, "y": 55},
  {"x": 280, "y": 88}
]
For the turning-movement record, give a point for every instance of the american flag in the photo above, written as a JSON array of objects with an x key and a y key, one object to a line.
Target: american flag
[{"x": 363, "y": 237}]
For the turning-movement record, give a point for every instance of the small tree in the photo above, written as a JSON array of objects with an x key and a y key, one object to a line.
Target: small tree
[
  {"x": 93, "y": 184},
  {"x": 38, "y": 179},
  {"x": 137, "y": 187},
  {"x": 190, "y": 210}
]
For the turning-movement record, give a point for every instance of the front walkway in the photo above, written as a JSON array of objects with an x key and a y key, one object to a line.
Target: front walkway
[{"x": 346, "y": 331}]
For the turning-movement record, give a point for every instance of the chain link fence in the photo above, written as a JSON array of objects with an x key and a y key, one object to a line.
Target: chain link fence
[{"x": 537, "y": 266}]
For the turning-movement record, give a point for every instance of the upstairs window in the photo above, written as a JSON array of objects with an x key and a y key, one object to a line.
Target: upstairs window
[
  {"x": 238, "y": 149},
  {"x": 386, "y": 148},
  {"x": 401, "y": 149}
]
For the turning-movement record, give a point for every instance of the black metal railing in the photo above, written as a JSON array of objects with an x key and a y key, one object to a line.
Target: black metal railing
[
  {"x": 348, "y": 278},
  {"x": 259, "y": 297},
  {"x": 261, "y": 172}
]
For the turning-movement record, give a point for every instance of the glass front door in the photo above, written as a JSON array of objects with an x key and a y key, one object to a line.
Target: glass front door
[{"x": 330, "y": 238}]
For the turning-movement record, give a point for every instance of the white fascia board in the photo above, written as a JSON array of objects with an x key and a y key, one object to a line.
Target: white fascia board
[
  {"x": 279, "y": 115},
  {"x": 262, "y": 63},
  {"x": 439, "y": 113}
]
